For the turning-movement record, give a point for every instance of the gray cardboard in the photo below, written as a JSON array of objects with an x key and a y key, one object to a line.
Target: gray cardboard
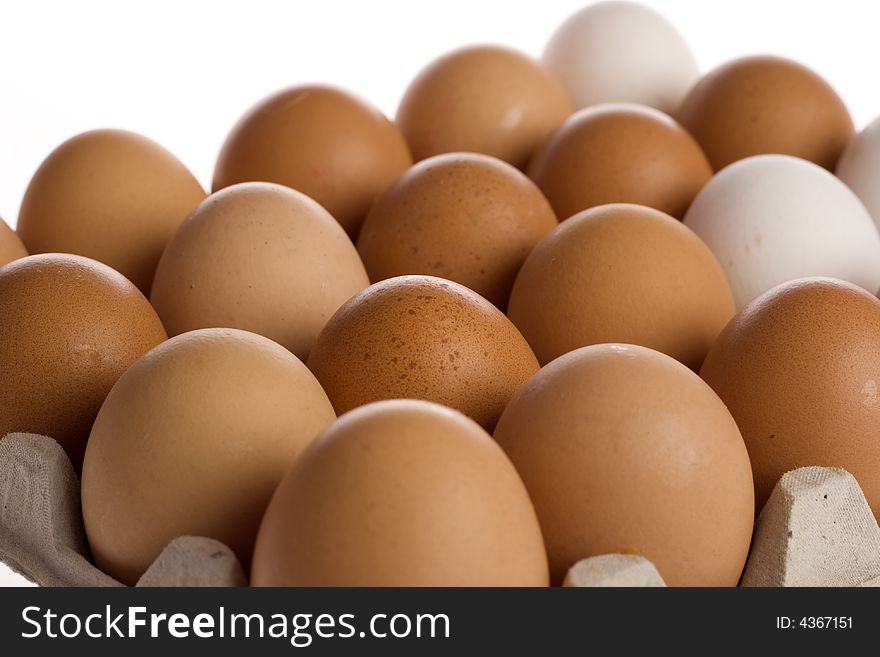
[
  {"x": 614, "y": 570},
  {"x": 815, "y": 530}
]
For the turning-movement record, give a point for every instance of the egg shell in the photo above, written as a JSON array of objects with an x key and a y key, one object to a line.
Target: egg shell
[
  {"x": 69, "y": 328},
  {"x": 859, "y": 168},
  {"x": 192, "y": 441},
  {"x": 470, "y": 218},
  {"x": 259, "y": 257},
  {"x": 625, "y": 450},
  {"x": 621, "y": 51},
  {"x": 620, "y": 153},
  {"x": 110, "y": 195},
  {"x": 11, "y": 247},
  {"x": 763, "y": 104},
  {"x": 773, "y": 218},
  {"x": 485, "y": 99},
  {"x": 401, "y": 493},
  {"x": 621, "y": 273},
  {"x": 422, "y": 337},
  {"x": 321, "y": 141},
  {"x": 798, "y": 369}
]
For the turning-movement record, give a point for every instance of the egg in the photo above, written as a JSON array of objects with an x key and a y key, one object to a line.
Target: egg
[
  {"x": 11, "y": 247},
  {"x": 774, "y": 218},
  {"x": 625, "y": 450},
  {"x": 401, "y": 493},
  {"x": 621, "y": 273},
  {"x": 321, "y": 141},
  {"x": 764, "y": 104},
  {"x": 110, "y": 195},
  {"x": 859, "y": 168},
  {"x": 259, "y": 257},
  {"x": 467, "y": 217},
  {"x": 798, "y": 369},
  {"x": 485, "y": 99},
  {"x": 620, "y": 153},
  {"x": 621, "y": 51},
  {"x": 422, "y": 337},
  {"x": 192, "y": 440},
  {"x": 69, "y": 328}
]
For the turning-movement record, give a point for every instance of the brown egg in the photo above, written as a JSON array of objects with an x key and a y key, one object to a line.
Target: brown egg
[
  {"x": 69, "y": 327},
  {"x": 761, "y": 104},
  {"x": 625, "y": 450},
  {"x": 620, "y": 153},
  {"x": 423, "y": 338},
  {"x": 321, "y": 141},
  {"x": 110, "y": 195},
  {"x": 192, "y": 440},
  {"x": 621, "y": 273},
  {"x": 470, "y": 218},
  {"x": 798, "y": 368},
  {"x": 401, "y": 493},
  {"x": 259, "y": 257},
  {"x": 485, "y": 99},
  {"x": 11, "y": 247}
]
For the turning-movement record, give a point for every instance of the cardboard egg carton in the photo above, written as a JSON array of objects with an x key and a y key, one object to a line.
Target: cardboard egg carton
[{"x": 816, "y": 530}]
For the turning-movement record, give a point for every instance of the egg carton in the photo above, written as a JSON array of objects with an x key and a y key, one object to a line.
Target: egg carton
[{"x": 816, "y": 530}]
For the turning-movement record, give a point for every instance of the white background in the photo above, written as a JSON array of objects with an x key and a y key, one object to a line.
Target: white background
[{"x": 181, "y": 72}]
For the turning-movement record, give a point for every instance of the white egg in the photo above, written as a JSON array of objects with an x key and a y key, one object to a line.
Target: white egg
[
  {"x": 621, "y": 51},
  {"x": 859, "y": 167},
  {"x": 774, "y": 218}
]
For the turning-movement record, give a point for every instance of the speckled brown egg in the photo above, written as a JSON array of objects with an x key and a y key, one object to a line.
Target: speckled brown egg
[
  {"x": 470, "y": 218},
  {"x": 620, "y": 153},
  {"x": 69, "y": 327},
  {"x": 259, "y": 257},
  {"x": 625, "y": 450},
  {"x": 110, "y": 195},
  {"x": 799, "y": 369},
  {"x": 485, "y": 99},
  {"x": 321, "y": 141},
  {"x": 621, "y": 273},
  {"x": 11, "y": 247},
  {"x": 763, "y": 104},
  {"x": 422, "y": 337},
  {"x": 401, "y": 493},
  {"x": 192, "y": 441}
]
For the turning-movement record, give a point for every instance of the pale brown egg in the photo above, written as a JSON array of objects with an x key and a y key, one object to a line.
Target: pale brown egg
[
  {"x": 192, "y": 440},
  {"x": 625, "y": 450},
  {"x": 621, "y": 273},
  {"x": 620, "y": 153},
  {"x": 470, "y": 218},
  {"x": 110, "y": 195},
  {"x": 321, "y": 141},
  {"x": 485, "y": 99},
  {"x": 799, "y": 369},
  {"x": 762, "y": 104},
  {"x": 69, "y": 328},
  {"x": 259, "y": 257},
  {"x": 401, "y": 493},
  {"x": 425, "y": 338},
  {"x": 11, "y": 247}
]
